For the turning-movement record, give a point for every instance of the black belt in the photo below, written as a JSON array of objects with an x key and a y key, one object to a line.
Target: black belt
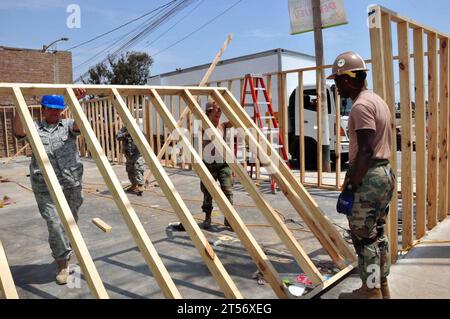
[{"x": 374, "y": 162}]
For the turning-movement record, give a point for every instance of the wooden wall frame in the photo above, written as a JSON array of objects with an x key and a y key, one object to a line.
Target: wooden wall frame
[{"x": 339, "y": 251}]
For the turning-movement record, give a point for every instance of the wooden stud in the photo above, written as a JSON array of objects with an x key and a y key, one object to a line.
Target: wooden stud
[
  {"x": 145, "y": 117},
  {"x": 443, "y": 128},
  {"x": 58, "y": 198},
  {"x": 243, "y": 142},
  {"x": 102, "y": 128},
  {"x": 406, "y": 120},
  {"x": 392, "y": 222},
  {"x": 281, "y": 229},
  {"x": 150, "y": 125},
  {"x": 118, "y": 147},
  {"x": 421, "y": 152},
  {"x": 166, "y": 137},
  {"x": 225, "y": 206},
  {"x": 337, "y": 149},
  {"x": 180, "y": 109},
  {"x": 141, "y": 238},
  {"x": 199, "y": 240},
  {"x": 6, "y": 279},
  {"x": 295, "y": 193},
  {"x": 97, "y": 120},
  {"x": 16, "y": 146},
  {"x": 6, "y": 133},
  {"x": 301, "y": 126},
  {"x": 102, "y": 225},
  {"x": 111, "y": 117},
  {"x": 158, "y": 134},
  {"x": 136, "y": 109},
  {"x": 173, "y": 154},
  {"x": 319, "y": 127},
  {"x": 433, "y": 133},
  {"x": 331, "y": 281},
  {"x": 108, "y": 140}
]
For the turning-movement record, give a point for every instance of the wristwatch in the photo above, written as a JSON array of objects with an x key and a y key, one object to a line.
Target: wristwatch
[{"x": 351, "y": 188}]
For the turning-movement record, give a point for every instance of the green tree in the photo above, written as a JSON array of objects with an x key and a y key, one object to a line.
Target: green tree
[{"x": 131, "y": 68}]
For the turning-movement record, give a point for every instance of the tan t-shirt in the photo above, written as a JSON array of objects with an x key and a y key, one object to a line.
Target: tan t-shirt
[
  {"x": 209, "y": 150},
  {"x": 369, "y": 111}
]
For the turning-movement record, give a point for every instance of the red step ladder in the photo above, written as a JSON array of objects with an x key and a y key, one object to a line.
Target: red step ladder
[{"x": 254, "y": 84}]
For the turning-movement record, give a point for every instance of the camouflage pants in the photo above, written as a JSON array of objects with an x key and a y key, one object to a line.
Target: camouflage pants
[
  {"x": 222, "y": 173},
  {"x": 370, "y": 209},
  {"x": 59, "y": 243},
  {"x": 135, "y": 170}
]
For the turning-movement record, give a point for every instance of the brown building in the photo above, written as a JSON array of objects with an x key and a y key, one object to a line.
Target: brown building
[{"x": 28, "y": 66}]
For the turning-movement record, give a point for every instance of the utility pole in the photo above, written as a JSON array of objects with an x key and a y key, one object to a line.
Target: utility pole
[{"x": 318, "y": 41}]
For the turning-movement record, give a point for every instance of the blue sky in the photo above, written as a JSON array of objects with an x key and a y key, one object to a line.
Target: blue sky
[{"x": 257, "y": 25}]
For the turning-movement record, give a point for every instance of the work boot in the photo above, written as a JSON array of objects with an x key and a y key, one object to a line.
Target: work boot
[
  {"x": 135, "y": 189},
  {"x": 227, "y": 224},
  {"x": 362, "y": 293},
  {"x": 207, "y": 221},
  {"x": 178, "y": 227},
  {"x": 140, "y": 190},
  {"x": 385, "y": 288},
  {"x": 63, "y": 272}
]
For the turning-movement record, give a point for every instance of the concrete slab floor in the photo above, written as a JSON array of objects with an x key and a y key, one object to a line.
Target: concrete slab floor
[{"x": 120, "y": 264}]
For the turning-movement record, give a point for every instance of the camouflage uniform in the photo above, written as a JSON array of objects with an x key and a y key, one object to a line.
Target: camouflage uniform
[
  {"x": 135, "y": 162},
  {"x": 222, "y": 173},
  {"x": 369, "y": 212},
  {"x": 219, "y": 170},
  {"x": 59, "y": 142}
]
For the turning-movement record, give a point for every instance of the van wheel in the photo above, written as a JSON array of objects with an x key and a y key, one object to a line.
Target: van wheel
[{"x": 310, "y": 154}]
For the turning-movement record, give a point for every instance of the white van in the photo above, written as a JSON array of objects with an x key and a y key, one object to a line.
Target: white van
[{"x": 310, "y": 125}]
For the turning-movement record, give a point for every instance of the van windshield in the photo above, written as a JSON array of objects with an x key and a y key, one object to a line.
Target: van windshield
[
  {"x": 346, "y": 106},
  {"x": 310, "y": 100}
]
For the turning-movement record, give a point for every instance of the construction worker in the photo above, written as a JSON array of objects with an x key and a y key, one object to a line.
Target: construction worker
[
  {"x": 134, "y": 162},
  {"x": 58, "y": 135},
  {"x": 370, "y": 181},
  {"x": 218, "y": 168},
  {"x": 216, "y": 165}
]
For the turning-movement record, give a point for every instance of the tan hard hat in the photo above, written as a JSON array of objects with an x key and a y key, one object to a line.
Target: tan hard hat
[{"x": 347, "y": 62}]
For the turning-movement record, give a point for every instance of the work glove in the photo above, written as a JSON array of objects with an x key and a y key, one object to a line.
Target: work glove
[{"x": 345, "y": 201}]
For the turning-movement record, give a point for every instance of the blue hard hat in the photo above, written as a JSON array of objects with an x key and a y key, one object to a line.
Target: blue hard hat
[{"x": 53, "y": 102}]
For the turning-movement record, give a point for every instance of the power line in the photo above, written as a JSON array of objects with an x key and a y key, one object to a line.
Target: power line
[
  {"x": 122, "y": 37},
  {"x": 165, "y": 32},
  {"x": 198, "y": 29},
  {"x": 139, "y": 33},
  {"x": 121, "y": 26}
]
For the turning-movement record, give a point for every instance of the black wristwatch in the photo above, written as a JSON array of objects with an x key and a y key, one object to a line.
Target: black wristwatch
[{"x": 351, "y": 188}]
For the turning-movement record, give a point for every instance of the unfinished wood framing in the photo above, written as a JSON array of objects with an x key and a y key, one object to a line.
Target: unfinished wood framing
[
  {"x": 406, "y": 133},
  {"x": 421, "y": 152},
  {"x": 319, "y": 127},
  {"x": 433, "y": 133},
  {"x": 301, "y": 126},
  {"x": 430, "y": 141},
  {"x": 389, "y": 96},
  {"x": 326, "y": 234},
  {"x": 273, "y": 218},
  {"x": 7, "y": 286},
  {"x": 337, "y": 126},
  {"x": 58, "y": 198},
  {"x": 175, "y": 199},
  {"x": 443, "y": 128},
  {"x": 302, "y": 202},
  {"x": 134, "y": 225}
]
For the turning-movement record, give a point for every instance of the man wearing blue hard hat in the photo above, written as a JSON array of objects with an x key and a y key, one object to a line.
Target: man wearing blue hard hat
[{"x": 59, "y": 136}]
